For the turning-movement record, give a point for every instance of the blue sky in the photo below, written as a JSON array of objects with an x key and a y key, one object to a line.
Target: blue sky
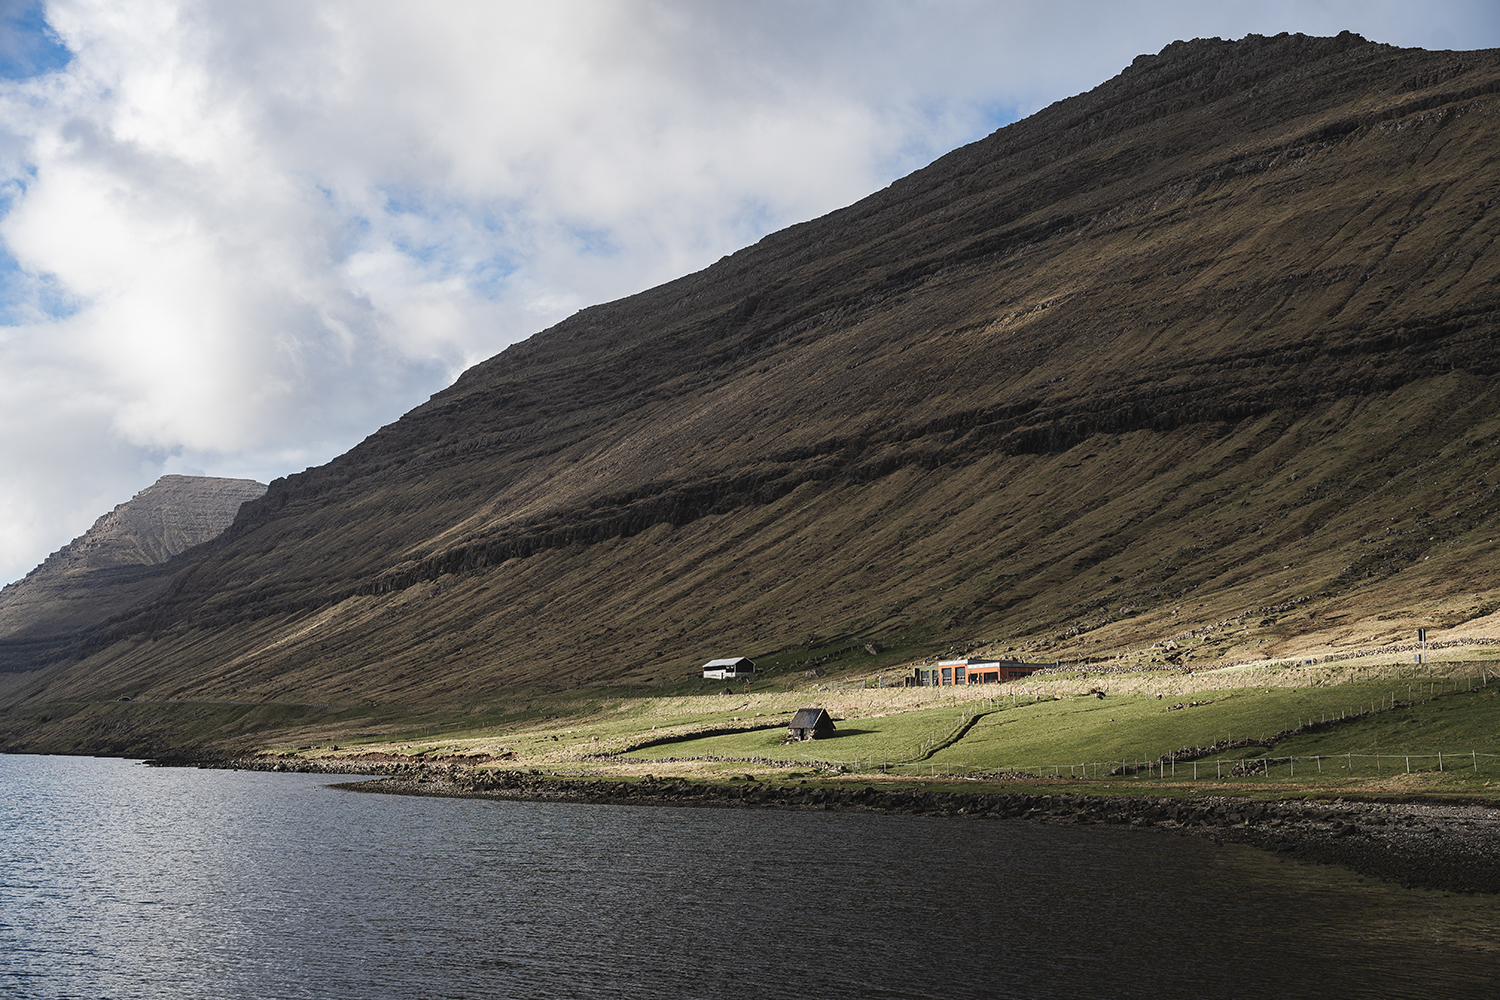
[
  {"x": 236, "y": 238},
  {"x": 28, "y": 46}
]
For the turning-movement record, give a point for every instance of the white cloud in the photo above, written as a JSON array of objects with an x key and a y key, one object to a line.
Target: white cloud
[{"x": 246, "y": 235}]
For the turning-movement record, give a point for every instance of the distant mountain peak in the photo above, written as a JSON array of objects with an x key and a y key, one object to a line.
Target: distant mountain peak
[
  {"x": 162, "y": 521},
  {"x": 166, "y": 518}
]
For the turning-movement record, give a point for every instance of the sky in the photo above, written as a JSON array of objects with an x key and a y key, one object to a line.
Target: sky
[{"x": 236, "y": 238}]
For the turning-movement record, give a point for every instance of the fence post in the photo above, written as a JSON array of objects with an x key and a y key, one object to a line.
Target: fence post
[
  {"x": 1475, "y": 755},
  {"x": 1440, "y": 760}
]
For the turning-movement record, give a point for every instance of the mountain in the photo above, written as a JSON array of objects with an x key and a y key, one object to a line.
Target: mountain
[
  {"x": 1197, "y": 366},
  {"x": 125, "y": 559}
]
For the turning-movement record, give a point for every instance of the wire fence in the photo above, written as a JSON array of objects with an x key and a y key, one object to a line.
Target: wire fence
[
  {"x": 1342, "y": 765},
  {"x": 1199, "y": 763}
]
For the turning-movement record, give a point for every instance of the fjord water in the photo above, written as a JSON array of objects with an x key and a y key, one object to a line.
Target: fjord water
[{"x": 118, "y": 880}]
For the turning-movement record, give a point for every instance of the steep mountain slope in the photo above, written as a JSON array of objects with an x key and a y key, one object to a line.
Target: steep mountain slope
[
  {"x": 1213, "y": 344},
  {"x": 125, "y": 559}
]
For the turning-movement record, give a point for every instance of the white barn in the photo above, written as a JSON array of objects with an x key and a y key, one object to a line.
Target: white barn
[{"x": 734, "y": 666}]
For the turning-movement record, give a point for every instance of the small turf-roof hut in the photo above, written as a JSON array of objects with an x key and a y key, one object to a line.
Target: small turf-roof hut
[{"x": 809, "y": 724}]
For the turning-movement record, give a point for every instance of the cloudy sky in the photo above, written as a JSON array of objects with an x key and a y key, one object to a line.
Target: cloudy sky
[{"x": 235, "y": 238}]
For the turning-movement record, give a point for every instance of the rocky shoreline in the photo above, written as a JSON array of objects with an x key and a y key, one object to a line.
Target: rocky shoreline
[{"x": 1452, "y": 847}]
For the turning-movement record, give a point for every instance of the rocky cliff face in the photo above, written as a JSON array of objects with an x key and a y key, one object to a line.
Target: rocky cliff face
[
  {"x": 119, "y": 561},
  {"x": 1206, "y": 355},
  {"x": 165, "y": 519}
]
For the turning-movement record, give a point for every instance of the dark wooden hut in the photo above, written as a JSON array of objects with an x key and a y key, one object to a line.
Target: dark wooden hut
[{"x": 809, "y": 724}]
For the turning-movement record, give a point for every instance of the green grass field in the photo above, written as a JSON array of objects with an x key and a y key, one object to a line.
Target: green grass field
[{"x": 1385, "y": 731}]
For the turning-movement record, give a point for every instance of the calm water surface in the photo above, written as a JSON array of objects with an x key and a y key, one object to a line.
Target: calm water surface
[{"x": 118, "y": 880}]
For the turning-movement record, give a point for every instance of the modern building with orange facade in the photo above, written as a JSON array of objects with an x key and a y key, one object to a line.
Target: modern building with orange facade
[{"x": 954, "y": 672}]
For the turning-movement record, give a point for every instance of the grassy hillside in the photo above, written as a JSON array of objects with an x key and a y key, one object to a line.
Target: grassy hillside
[{"x": 1330, "y": 531}]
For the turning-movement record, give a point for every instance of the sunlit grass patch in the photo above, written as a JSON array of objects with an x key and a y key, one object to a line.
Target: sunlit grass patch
[
  {"x": 898, "y": 737},
  {"x": 1139, "y": 729}
]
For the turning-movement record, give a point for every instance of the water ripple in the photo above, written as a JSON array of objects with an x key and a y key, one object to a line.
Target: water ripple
[{"x": 120, "y": 881}]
